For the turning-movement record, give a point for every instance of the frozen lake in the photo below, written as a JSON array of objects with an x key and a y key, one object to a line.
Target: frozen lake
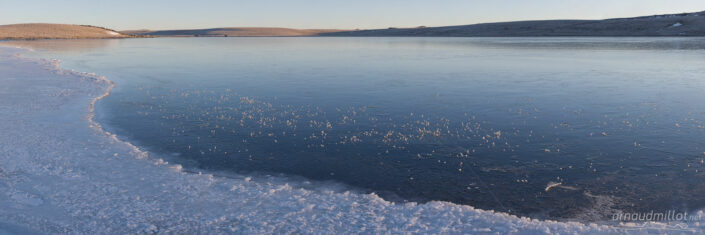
[{"x": 552, "y": 128}]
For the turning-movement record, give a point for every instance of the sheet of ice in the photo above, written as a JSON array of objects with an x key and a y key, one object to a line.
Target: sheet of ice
[{"x": 60, "y": 173}]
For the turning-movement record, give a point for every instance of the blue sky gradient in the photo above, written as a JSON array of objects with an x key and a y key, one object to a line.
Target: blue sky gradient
[{"x": 348, "y": 14}]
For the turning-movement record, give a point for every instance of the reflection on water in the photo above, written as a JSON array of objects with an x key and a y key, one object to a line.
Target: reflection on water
[
  {"x": 557, "y": 127},
  {"x": 63, "y": 45}
]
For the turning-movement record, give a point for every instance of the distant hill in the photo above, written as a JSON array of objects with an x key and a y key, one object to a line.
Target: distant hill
[
  {"x": 686, "y": 24},
  {"x": 232, "y": 32},
  {"x": 56, "y": 31}
]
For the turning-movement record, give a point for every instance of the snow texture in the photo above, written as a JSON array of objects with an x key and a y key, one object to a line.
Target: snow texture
[{"x": 61, "y": 173}]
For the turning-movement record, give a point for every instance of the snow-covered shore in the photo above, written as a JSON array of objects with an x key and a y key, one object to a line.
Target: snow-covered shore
[{"x": 60, "y": 173}]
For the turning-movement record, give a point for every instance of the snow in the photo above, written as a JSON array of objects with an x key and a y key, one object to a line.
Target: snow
[
  {"x": 61, "y": 173},
  {"x": 677, "y": 25},
  {"x": 112, "y": 33}
]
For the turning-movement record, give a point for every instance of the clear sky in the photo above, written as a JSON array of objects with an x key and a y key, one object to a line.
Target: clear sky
[{"x": 342, "y": 14}]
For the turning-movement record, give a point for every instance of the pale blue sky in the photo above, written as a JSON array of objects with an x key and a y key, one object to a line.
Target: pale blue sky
[{"x": 348, "y": 14}]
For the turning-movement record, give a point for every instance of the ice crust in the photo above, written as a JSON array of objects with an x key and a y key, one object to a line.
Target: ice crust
[{"x": 61, "y": 173}]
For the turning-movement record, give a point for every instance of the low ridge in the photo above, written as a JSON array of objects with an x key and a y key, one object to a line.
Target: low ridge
[{"x": 56, "y": 31}]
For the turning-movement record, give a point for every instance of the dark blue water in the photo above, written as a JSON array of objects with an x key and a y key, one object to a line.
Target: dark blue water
[{"x": 609, "y": 123}]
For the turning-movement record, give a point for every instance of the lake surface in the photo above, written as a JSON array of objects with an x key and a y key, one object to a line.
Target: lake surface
[{"x": 561, "y": 128}]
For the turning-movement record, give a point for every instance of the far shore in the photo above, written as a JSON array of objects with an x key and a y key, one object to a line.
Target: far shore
[
  {"x": 671, "y": 25},
  {"x": 56, "y": 31},
  {"x": 678, "y": 25}
]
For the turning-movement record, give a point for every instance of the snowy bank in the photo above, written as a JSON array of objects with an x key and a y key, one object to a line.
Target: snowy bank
[{"x": 60, "y": 173}]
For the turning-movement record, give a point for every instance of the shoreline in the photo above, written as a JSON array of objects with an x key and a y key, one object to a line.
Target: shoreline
[
  {"x": 353, "y": 36},
  {"x": 224, "y": 194}
]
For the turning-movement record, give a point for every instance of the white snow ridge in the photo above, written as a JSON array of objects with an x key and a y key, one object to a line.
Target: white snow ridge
[
  {"x": 112, "y": 33},
  {"x": 58, "y": 175}
]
